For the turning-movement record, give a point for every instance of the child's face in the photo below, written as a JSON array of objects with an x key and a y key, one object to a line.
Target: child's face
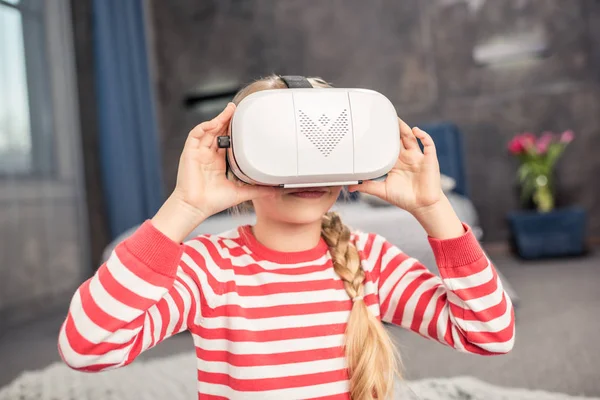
[{"x": 297, "y": 206}]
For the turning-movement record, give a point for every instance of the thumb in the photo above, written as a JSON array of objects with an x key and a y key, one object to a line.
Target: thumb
[
  {"x": 370, "y": 187},
  {"x": 249, "y": 192}
]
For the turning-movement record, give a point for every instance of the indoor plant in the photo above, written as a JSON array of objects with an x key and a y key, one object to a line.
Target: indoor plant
[
  {"x": 545, "y": 231},
  {"x": 537, "y": 157}
]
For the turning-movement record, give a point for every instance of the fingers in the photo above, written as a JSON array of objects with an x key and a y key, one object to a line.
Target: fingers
[
  {"x": 199, "y": 131},
  {"x": 205, "y": 133},
  {"x": 370, "y": 187},
  {"x": 221, "y": 122},
  {"x": 353, "y": 188},
  {"x": 226, "y": 114},
  {"x": 428, "y": 144},
  {"x": 407, "y": 138}
]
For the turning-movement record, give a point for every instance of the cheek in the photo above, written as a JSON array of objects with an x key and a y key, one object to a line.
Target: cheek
[
  {"x": 329, "y": 201},
  {"x": 276, "y": 208},
  {"x": 266, "y": 205},
  {"x": 335, "y": 193}
]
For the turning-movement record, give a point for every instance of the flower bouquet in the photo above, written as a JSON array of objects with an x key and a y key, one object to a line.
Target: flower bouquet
[
  {"x": 537, "y": 157},
  {"x": 545, "y": 232}
]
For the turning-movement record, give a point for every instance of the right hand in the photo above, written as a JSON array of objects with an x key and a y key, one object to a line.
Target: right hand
[
  {"x": 202, "y": 187},
  {"x": 201, "y": 179}
]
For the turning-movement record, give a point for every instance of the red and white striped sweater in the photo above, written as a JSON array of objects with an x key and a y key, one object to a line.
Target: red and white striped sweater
[{"x": 270, "y": 325}]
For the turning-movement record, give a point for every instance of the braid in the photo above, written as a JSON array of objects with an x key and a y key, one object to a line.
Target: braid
[
  {"x": 370, "y": 353},
  {"x": 344, "y": 255}
]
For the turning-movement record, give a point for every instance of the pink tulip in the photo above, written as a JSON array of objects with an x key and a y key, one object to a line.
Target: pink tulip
[
  {"x": 521, "y": 143},
  {"x": 543, "y": 142},
  {"x": 567, "y": 136},
  {"x": 515, "y": 146},
  {"x": 527, "y": 140}
]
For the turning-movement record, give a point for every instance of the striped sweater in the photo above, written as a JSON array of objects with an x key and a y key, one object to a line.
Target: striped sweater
[{"x": 270, "y": 325}]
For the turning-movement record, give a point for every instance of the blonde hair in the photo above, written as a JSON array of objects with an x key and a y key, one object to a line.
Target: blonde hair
[{"x": 370, "y": 353}]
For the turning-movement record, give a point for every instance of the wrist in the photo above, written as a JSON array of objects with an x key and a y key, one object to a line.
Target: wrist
[
  {"x": 431, "y": 210},
  {"x": 439, "y": 219},
  {"x": 176, "y": 219}
]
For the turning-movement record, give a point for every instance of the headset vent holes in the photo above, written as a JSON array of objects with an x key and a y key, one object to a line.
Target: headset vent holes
[{"x": 324, "y": 135}]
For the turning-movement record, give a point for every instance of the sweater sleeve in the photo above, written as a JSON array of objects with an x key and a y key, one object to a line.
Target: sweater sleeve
[
  {"x": 139, "y": 297},
  {"x": 465, "y": 307}
]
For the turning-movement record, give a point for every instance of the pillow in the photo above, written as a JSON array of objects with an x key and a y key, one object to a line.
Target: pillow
[{"x": 448, "y": 184}]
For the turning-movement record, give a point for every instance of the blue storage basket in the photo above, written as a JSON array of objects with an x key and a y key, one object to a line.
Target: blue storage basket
[{"x": 557, "y": 233}]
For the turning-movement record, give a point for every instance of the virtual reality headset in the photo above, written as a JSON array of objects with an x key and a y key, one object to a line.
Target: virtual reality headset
[{"x": 308, "y": 137}]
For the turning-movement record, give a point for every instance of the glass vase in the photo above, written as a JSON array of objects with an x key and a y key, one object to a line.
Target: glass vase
[{"x": 543, "y": 193}]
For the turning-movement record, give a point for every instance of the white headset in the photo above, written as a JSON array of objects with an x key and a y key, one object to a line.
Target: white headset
[{"x": 308, "y": 137}]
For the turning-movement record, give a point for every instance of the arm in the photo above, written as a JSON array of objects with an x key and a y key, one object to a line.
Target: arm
[
  {"x": 144, "y": 293},
  {"x": 466, "y": 308},
  {"x": 138, "y": 298}
]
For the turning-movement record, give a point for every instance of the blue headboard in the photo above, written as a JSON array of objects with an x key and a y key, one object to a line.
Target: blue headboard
[{"x": 449, "y": 145}]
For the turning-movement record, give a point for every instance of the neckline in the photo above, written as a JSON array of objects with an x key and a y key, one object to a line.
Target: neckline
[{"x": 282, "y": 257}]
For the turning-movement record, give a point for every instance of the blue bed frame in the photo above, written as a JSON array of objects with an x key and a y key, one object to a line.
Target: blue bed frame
[{"x": 450, "y": 151}]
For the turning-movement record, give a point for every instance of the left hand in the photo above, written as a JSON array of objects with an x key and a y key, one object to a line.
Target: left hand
[{"x": 413, "y": 184}]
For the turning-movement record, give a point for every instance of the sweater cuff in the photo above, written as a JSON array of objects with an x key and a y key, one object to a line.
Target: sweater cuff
[
  {"x": 154, "y": 249},
  {"x": 457, "y": 252}
]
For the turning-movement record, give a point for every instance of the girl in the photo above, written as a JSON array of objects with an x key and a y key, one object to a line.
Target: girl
[{"x": 289, "y": 308}]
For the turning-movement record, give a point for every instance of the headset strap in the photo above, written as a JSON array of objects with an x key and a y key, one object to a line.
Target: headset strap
[{"x": 296, "y": 82}]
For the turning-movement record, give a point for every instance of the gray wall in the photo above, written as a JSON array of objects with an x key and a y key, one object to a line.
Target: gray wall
[{"x": 418, "y": 53}]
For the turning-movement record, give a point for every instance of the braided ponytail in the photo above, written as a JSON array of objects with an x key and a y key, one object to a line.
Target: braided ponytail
[{"x": 370, "y": 353}]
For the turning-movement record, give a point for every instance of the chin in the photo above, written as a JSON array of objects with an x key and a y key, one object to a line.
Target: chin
[
  {"x": 302, "y": 215},
  {"x": 298, "y": 206}
]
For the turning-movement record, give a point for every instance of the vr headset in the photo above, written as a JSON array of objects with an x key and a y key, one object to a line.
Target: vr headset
[{"x": 309, "y": 137}]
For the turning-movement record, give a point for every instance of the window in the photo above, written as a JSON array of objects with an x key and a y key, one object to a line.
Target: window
[{"x": 25, "y": 109}]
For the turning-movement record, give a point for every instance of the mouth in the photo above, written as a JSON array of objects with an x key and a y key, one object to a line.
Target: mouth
[{"x": 308, "y": 193}]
